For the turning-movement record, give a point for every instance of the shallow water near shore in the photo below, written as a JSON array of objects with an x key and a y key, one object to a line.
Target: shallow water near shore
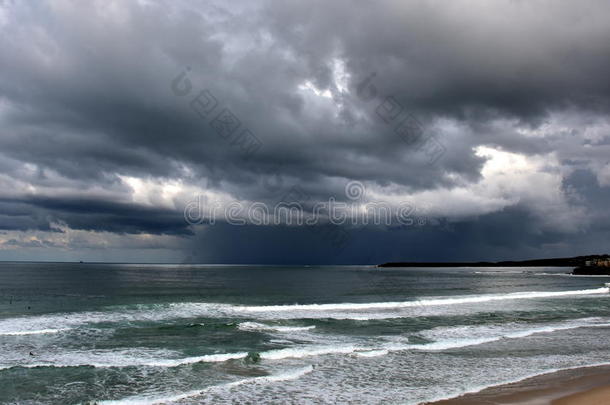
[{"x": 112, "y": 333}]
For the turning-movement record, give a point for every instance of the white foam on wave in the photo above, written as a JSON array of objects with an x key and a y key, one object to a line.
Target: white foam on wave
[
  {"x": 309, "y": 351},
  {"x": 124, "y": 358},
  {"x": 151, "y": 400},
  {"x": 161, "y": 312},
  {"x": 208, "y": 358},
  {"x": 137, "y": 313},
  {"x": 256, "y": 326},
  {"x": 372, "y": 353},
  {"x": 509, "y": 331},
  {"x": 354, "y": 311},
  {"x": 500, "y": 272},
  {"x": 453, "y": 344},
  {"x": 474, "y": 336},
  {"x": 368, "y": 350},
  {"x": 33, "y": 332},
  {"x": 460, "y": 336},
  {"x": 425, "y": 302}
]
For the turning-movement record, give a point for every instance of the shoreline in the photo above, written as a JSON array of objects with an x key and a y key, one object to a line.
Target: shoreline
[
  {"x": 589, "y": 385},
  {"x": 576, "y": 261}
]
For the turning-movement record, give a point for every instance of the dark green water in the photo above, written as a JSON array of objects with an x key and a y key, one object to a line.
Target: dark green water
[{"x": 73, "y": 333}]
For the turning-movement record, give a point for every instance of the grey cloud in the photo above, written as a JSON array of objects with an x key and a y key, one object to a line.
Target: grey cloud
[
  {"x": 90, "y": 214},
  {"x": 85, "y": 94}
]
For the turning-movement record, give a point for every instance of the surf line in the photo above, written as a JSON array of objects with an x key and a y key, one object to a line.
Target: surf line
[{"x": 425, "y": 302}]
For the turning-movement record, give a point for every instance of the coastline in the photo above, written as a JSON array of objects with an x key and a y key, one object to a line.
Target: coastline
[
  {"x": 577, "y": 261},
  {"x": 584, "y": 385}
]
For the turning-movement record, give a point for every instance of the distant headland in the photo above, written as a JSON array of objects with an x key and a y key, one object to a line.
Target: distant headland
[
  {"x": 592, "y": 264},
  {"x": 595, "y": 266}
]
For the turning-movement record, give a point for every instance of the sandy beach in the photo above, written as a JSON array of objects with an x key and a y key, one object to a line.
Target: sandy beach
[{"x": 582, "y": 386}]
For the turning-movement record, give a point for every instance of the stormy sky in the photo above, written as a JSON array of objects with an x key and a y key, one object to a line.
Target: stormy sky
[{"x": 488, "y": 119}]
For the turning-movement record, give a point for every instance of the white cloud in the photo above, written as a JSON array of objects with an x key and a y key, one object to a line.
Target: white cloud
[{"x": 508, "y": 180}]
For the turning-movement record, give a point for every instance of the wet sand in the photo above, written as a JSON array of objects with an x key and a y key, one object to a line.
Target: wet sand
[
  {"x": 595, "y": 396},
  {"x": 582, "y": 386}
]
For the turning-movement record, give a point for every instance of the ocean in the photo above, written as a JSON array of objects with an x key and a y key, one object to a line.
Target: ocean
[{"x": 197, "y": 334}]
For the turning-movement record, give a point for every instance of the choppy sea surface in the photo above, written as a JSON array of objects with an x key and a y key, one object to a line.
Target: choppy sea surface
[{"x": 192, "y": 334}]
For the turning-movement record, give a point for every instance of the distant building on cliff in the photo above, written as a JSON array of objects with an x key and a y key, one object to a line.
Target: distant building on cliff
[{"x": 598, "y": 263}]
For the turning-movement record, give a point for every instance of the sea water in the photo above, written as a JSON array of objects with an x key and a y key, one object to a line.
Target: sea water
[{"x": 190, "y": 334}]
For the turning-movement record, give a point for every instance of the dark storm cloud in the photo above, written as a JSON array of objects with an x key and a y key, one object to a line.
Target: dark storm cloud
[
  {"x": 86, "y": 98},
  {"x": 89, "y": 214},
  {"x": 505, "y": 235},
  {"x": 517, "y": 58}
]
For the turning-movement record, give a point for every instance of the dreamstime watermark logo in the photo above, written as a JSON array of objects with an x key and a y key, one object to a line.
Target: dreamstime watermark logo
[
  {"x": 407, "y": 127},
  {"x": 354, "y": 190},
  {"x": 225, "y": 123},
  {"x": 337, "y": 236},
  {"x": 294, "y": 210}
]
